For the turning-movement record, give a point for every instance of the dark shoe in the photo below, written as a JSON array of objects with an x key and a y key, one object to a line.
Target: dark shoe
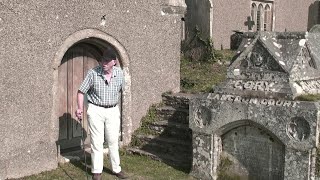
[
  {"x": 96, "y": 176},
  {"x": 121, "y": 175}
]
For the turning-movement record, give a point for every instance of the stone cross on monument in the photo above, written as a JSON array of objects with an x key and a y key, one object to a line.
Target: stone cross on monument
[{"x": 249, "y": 23}]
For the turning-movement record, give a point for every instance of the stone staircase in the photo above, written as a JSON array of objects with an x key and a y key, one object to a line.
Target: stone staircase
[{"x": 165, "y": 135}]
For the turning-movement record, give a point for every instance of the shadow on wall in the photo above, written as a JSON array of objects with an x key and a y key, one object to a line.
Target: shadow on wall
[
  {"x": 235, "y": 40},
  {"x": 70, "y": 147},
  {"x": 71, "y": 134},
  {"x": 313, "y": 15}
]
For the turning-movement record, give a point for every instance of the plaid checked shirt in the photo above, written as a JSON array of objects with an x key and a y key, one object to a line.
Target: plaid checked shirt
[{"x": 98, "y": 91}]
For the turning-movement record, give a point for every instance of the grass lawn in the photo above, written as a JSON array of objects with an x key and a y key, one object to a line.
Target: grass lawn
[
  {"x": 201, "y": 76},
  {"x": 137, "y": 167}
]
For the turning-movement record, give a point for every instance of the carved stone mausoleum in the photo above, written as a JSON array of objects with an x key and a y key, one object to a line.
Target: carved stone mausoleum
[{"x": 253, "y": 126}]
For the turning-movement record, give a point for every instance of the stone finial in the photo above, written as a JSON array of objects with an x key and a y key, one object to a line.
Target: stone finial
[
  {"x": 177, "y": 3},
  {"x": 174, "y": 7}
]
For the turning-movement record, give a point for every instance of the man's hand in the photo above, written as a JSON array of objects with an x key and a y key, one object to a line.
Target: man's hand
[
  {"x": 79, "y": 114},
  {"x": 79, "y": 111}
]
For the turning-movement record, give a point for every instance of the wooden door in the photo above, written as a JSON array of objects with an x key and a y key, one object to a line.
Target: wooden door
[{"x": 73, "y": 69}]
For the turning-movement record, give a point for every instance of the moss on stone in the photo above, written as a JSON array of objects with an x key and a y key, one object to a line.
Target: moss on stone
[
  {"x": 150, "y": 117},
  {"x": 308, "y": 97},
  {"x": 223, "y": 168}
]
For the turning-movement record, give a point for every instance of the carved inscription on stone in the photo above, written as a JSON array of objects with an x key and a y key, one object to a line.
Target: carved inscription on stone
[
  {"x": 266, "y": 102},
  {"x": 309, "y": 85},
  {"x": 254, "y": 85},
  {"x": 261, "y": 76},
  {"x": 298, "y": 129}
]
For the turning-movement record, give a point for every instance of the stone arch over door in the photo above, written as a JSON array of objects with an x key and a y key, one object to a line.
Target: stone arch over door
[
  {"x": 99, "y": 41},
  {"x": 252, "y": 152}
]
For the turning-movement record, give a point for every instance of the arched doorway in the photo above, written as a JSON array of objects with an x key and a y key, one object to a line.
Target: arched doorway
[
  {"x": 72, "y": 70},
  {"x": 96, "y": 41},
  {"x": 252, "y": 152}
]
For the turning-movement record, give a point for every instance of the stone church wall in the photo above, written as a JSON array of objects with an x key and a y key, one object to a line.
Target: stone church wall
[
  {"x": 31, "y": 33},
  {"x": 226, "y": 16},
  {"x": 295, "y": 16}
]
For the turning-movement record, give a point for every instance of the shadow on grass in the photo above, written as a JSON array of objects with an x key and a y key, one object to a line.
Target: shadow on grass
[
  {"x": 65, "y": 172},
  {"x": 177, "y": 155},
  {"x": 85, "y": 165},
  {"x": 171, "y": 143}
]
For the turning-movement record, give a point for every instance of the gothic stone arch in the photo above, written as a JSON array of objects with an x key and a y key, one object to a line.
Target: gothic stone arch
[{"x": 252, "y": 151}]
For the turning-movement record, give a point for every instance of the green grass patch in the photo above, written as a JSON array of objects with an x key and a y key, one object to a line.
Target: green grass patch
[
  {"x": 200, "y": 76},
  {"x": 223, "y": 168},
  {"x": 144, "y": 129},
  {"x": 308, "y": 97},
  {"x": 225, "y": 55},
  {"x": 150, "y": 117},
  {"x": 138, "y": 167}
]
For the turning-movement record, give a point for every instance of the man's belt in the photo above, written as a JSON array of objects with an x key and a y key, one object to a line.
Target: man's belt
[{"x": 106, "y": 106}]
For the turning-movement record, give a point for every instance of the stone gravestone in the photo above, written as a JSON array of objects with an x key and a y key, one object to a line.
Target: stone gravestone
[
  {"x": 252, "y": 126},
  {"x": 315, "y": 29}
]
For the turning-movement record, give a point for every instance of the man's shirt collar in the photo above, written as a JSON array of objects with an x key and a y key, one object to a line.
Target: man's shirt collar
[{"x": 101, "y": 73}]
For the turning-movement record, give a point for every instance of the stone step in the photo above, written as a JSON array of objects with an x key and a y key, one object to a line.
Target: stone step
[
  {"x": 171, "y": 114},
  {"x": 171, "y": 141},
  {"x": 177, "y": 100},
  {"x": 171, "y": 129},
  {"x": 180, "y": 162},
  {"x": 160, "y": 144}
]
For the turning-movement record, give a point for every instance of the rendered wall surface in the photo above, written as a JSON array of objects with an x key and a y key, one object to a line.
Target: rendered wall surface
[
  {"x": 31, "y": 33},
  {"x": 295, "y": 16},
  {"x": 229, "y": 15}
]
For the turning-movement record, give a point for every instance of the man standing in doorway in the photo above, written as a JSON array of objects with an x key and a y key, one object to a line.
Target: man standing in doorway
[{"x": 102, "y": 86}]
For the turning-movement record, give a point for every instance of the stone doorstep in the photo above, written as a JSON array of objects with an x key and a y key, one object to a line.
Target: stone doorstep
[
  {"x": 162, "y": 128},
  {"x": 171, "y": 110},
  {"x": 166, "y": 147},
  {"x": 168, "y": 140},
  {"x": 164, "y": 124},
  {"x": 173, "y": 114},
  {"x": 161, "y": 158},
  {"x": 176, "y": 151},
  {"x": 177, "y": 99}
]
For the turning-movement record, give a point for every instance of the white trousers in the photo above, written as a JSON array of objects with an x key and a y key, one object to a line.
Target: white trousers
[{"x": 104, "y": 123}]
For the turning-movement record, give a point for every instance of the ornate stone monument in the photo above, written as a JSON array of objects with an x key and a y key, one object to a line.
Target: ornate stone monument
[{"x": 253, "y": 126}]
